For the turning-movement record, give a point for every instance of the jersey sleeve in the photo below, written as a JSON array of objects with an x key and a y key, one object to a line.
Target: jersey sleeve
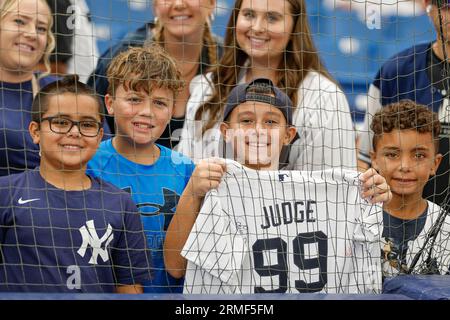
[
  {"x": 326, "y": 133},
  {"x": 199, "y": 281},
  {"x": 131, "y": 258},
  {"x": 367, "y": 244},
  {"x": 214, "y": 245},
  {"x": 192, "y": 143}
]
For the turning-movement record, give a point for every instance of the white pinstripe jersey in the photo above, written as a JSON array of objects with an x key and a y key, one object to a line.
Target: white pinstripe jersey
[{"x": 284, "y": 231}]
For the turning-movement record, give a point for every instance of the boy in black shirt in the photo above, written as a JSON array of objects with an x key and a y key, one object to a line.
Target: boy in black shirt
[{"x": 406, "y": 144}]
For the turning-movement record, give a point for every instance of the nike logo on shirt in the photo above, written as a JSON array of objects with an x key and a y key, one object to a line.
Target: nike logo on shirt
[{"x": 20, "y": 201}]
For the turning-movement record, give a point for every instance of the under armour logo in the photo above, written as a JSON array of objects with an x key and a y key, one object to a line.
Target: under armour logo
[
  {"x": 167, "y": 208},
  {"x": 281, "y": 176},
  {"x": 90, "y": 238}
]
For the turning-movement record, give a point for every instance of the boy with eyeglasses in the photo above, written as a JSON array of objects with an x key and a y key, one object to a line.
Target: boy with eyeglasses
[{"x": 62, "y": 230}]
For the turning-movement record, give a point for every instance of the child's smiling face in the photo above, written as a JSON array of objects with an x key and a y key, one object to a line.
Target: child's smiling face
[
  {"x": 71, "y": 150},
  {"x": 257, "y": 132},
  {"x": 406, "y": 159}
]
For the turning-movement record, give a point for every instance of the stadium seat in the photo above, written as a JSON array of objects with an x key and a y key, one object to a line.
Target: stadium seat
[
  {"x": 345, "y": 57},
  {"x": 413, "y": 29},
  {"x": 115, "y": 18},
  {"x": 353, "y": 50},
  {"x": 221, "y": 16},
  {"x": 356, "y": 92}
]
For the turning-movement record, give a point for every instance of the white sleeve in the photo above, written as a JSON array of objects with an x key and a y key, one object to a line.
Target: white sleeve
[
  {"x": 191, "y": 138},
  {"x": 214, "y": 244},
  {"x": 365, "y": 134},
  {"x": 367, "y": 249},
  {"x": 325, "y": 127},
  {"x": 198, "y": 281}
]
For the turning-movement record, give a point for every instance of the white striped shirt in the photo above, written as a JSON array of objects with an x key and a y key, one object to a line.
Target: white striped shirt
[{"x": 284, "y": 231}]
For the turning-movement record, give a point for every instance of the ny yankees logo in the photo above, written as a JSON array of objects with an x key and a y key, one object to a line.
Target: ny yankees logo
[
  {"x": 281, "y": 176},
  {"x": 167, "y": 208},
  {"x": 90, "y": 238}
]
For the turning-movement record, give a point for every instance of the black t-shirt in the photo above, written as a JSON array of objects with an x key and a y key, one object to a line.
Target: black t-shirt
[{"x": 399, "y": 232}]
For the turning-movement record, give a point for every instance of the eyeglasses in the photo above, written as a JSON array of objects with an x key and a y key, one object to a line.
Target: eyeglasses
[{"x": 87, "y": 128}]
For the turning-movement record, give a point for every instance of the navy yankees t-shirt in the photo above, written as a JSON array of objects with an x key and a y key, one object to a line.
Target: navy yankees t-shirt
[{"x": 52, "y": 240}]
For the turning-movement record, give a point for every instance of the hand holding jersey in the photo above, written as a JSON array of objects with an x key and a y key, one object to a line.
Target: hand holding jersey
[
  {"x": 261, "y": 111},
  {"x": 285, "y": 231},
  {"x": 206, "y": 176},
  {"x": 374, "y": 187},
  {"x": 254, "y": 114}
]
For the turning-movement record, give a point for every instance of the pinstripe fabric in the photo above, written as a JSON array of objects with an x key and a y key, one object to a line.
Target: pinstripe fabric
[{"x": 284, "y": 231}]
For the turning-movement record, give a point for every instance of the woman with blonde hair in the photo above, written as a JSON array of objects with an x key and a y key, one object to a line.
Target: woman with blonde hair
[
  {"x": 25, "y": 40},
  {"x": 183, "y": 28},
  {"x": 272, "y": 39}
]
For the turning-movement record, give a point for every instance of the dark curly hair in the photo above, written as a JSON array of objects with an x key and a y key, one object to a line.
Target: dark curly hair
[{"x": 404, "y": 115}]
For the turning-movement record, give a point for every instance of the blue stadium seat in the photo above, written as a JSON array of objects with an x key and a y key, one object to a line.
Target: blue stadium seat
[
  {"x": 413, "y": 29},
  {"x": 349, "y": 60},
  {"x": 353, "y": 50},
  {"x": 115, "y": 18},
  {"x": 313, "y": 9},
  {"x": 222, "y": 15},
  {"x": 356, "y": 93}
]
